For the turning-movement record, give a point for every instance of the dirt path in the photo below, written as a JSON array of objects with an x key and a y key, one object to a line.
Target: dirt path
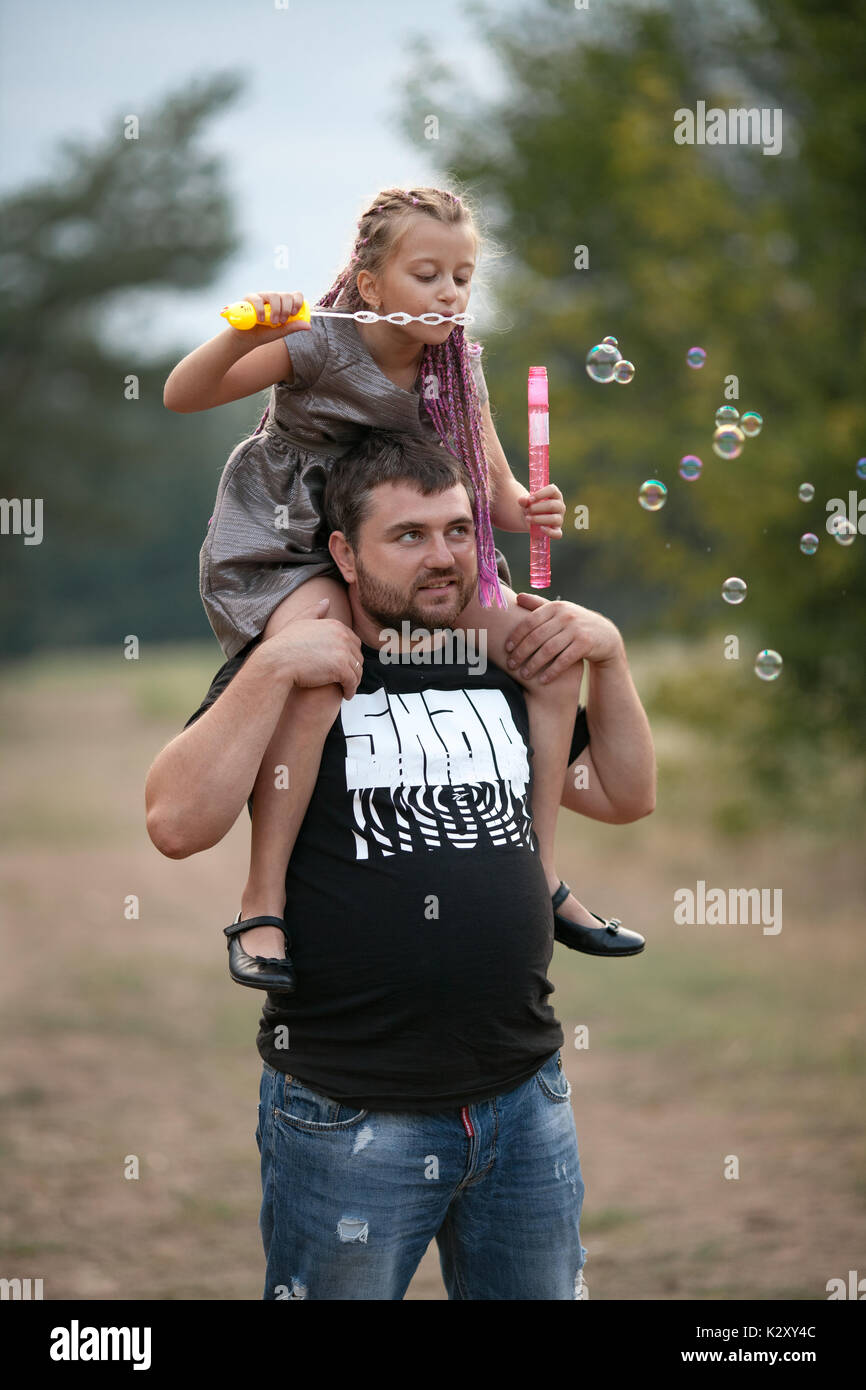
[{"x": 125, "y": 1037}]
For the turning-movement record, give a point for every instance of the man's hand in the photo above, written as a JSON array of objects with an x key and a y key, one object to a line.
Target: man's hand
[
  {"x": 317, "y": 651},
  {"x": 556, "y": 634}
]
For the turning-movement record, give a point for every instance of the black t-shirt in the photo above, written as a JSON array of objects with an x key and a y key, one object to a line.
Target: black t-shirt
[{"x": 416, "y": 901}]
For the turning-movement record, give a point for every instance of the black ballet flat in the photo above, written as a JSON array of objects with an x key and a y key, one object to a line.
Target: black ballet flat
[
  {"x": 260, "y": 972},
  {"x": 608, "y": 939}
]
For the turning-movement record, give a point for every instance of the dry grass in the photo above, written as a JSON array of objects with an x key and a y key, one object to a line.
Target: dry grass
[{"x": 126, "y": 1037}]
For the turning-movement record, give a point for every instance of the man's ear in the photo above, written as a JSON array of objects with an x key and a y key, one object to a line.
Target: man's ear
[{"x": 343, "y": 555}]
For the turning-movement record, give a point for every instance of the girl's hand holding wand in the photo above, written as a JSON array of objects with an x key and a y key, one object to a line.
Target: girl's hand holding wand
[
  {"x": 273, "y": 310},
  {"x": 545, "y": 508},
  {"x": 547, "y": 640}
]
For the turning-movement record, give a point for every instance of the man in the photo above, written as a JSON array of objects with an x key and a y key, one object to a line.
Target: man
[{"x": 412, "y": 1085}]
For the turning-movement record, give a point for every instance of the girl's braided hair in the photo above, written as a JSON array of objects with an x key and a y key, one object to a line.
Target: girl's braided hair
[{"x": 453, "y": 404}]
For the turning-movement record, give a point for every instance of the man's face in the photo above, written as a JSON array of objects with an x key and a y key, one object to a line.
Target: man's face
[{"x": 416, "y": 558}]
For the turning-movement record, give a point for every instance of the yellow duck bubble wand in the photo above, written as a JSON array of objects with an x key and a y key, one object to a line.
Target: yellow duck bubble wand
[{"x": 241, "y": 314}]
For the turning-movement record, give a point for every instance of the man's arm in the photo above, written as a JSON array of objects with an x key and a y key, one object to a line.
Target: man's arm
[
  {"x": 620, "y": 761},
  {"x": 199, "y": 783},
  {"x": 621, "y": 770}
]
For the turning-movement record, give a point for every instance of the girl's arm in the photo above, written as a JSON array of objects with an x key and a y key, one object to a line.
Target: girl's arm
[
  {"x": 505, "y": 511},
  {"x": 509, "y": 499},
  {"x": 224, "y": 370},
  {"x": 237, "y": 362}
]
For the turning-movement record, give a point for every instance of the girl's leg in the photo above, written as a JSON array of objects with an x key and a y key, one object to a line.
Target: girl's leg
[
  {"x": 552, "y": 709},
  {"x": 296, "y": 746}
]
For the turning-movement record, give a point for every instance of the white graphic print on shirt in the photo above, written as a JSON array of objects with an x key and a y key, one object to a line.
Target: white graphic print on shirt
[{"x": 454, "y": 764}]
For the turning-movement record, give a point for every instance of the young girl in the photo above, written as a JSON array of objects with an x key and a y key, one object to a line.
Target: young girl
[{"x": 265, "y": 559}]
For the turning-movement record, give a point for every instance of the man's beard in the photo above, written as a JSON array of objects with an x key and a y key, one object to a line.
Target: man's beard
[{"x": 391, "y": 607}]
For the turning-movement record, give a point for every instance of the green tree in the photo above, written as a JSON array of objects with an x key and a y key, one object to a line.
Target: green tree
[
  {"x": 757, "y": 258},
  {"x": 127, "y": 487}
]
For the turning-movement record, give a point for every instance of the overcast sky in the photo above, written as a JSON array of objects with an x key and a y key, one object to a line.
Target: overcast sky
[{"x": 315, "y": 133}]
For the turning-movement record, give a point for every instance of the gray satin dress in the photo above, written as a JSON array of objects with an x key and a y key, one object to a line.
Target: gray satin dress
[{"x": 249, "y": 561}]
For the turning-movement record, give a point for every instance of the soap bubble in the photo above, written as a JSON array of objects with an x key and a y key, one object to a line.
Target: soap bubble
[
  {"x": 652, "y": 495},
  {"x": 809, "y": 543},
  {"x": 727, "y": 415},
  {"x": 690, "y": 467},
  {"x": 601, "y": 360},
  {"x": 623, "y": 371},
  {"x": 768, "y": 665},
  {"x": 751, "y": 423},
  {"x": 728, "y": 442},
  {"x": 696, "y": 357},
  {"x": 610, "y": 340},
  {"x": 843, "y": 530},
  {"x": 734, "y": 590},
  {"x": 805, "y": 492},
  {"x": 861, "y": 468}
]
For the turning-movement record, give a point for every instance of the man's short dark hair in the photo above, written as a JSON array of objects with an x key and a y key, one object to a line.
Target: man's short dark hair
[{"x": 387, "y": 456}]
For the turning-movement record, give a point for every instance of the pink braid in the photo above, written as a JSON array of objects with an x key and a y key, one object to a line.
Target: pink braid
[{"x": 459, "y": 397}]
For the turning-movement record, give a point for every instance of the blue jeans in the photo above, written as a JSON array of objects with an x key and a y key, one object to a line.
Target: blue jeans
[{"x": 352, "y": 1198}]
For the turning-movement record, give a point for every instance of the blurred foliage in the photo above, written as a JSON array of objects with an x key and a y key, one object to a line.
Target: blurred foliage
[
  {"x": 127, "y": 486},
  {"x": 757, "y": 258}
]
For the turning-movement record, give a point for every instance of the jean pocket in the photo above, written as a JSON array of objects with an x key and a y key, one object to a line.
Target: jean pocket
[
  {"x": 318, "y": 1114},
  {"x": 552, "y": 1080}
]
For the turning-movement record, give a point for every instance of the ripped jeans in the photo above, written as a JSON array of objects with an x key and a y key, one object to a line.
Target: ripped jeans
[{"x": 352, "y": 1198}]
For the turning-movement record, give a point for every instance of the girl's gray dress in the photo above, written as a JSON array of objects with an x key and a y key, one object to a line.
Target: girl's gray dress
[{"x": 268, "y": 534}]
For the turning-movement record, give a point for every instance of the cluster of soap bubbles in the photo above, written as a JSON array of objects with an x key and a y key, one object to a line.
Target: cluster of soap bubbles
[
  {"x": 732, "y": 430},
  {"x": 605, "y": 363},
  {"x": 844, "y": 531},
  {"x": 808, "y": 541},
  {"x": 768, "y": 664}
]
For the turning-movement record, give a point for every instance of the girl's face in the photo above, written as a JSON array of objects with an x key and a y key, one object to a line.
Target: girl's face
[{"x": 430, "y": 273}]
